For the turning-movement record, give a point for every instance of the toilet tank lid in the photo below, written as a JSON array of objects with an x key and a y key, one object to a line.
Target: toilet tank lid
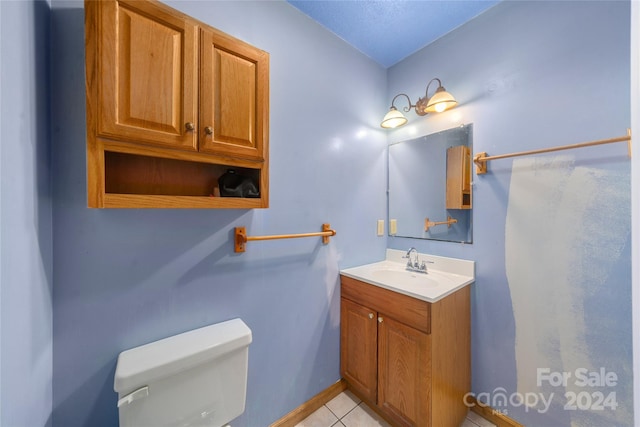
[{"x": 139, "y": 366}]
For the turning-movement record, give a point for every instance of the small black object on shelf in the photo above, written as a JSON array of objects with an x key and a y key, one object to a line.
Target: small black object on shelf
[{"x": 233, "y": 184}]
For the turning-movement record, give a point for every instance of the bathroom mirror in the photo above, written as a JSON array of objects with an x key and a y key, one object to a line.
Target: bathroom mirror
[{"x": 418, "y": 186}]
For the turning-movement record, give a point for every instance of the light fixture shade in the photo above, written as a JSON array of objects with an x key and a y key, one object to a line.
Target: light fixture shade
[
  {"x": 393, "y": 119},
  {"x": 440, "y": 101}
]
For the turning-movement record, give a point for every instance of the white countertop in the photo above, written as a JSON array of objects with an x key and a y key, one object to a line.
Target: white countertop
[{"x": 444, "y": 276}]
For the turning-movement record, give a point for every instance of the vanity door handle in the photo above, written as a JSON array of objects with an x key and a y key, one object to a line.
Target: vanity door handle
[
  {"x": 380, "y": 319},
  {"x": 370, "y": 315},
  {"x": 189, "y": 126}
]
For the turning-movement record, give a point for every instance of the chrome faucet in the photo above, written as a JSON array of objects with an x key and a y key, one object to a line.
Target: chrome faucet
[
  {"x": 420, "y": 267},
  {"x": 408, "y": 255}
]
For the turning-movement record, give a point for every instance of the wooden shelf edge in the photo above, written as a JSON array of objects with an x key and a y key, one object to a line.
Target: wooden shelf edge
[
  {"x": 177, "y": 154},
  {"x": 180, "y": 202}
]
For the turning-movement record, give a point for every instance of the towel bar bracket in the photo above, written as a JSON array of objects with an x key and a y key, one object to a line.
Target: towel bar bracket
[{"x": 240, "y": 239}]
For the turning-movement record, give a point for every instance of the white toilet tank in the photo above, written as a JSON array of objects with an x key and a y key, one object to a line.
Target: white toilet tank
[{"x": 198, "y": 378}]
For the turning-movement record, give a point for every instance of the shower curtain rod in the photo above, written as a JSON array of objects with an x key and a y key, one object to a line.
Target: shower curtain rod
[
  {"x": 481, "y": 159},
  {"x": 241, "y": 237}
]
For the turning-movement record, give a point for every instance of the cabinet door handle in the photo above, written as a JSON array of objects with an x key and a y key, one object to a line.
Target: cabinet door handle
[
  {"x": 208, "y": 130},
  {"x": 370, "y": 315},
  {"x": 189, "y": 126},
  {"x": 380, "y": 319}
]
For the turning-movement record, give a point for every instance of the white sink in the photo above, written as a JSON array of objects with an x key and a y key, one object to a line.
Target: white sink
[
  {"x": 392, "y": 275},
  {"x": 444, "y": 276}
]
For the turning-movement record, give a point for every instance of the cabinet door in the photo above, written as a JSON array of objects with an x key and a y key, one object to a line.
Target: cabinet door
[
  {"x": 404, "y": 373},
  {"x": 458, "y": 183},
  {"x": 148, "y": 75},
  {"x": 234, "y": 107},
  {"x": 358, "y": 331},
  {"x": 466, "y": 167}
]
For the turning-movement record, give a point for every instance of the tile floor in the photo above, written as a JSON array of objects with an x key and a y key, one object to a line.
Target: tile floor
[{"x": 346, "y": 410}]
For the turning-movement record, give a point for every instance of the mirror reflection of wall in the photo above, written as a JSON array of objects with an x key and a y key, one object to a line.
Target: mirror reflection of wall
[{"x": 418, "y": 186}]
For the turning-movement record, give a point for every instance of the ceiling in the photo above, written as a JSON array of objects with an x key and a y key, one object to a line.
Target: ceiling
[{"x": 389, "y": 31}]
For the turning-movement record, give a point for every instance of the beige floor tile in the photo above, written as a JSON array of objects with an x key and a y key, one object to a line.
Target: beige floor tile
[
  {"x": 323, "y": 417},
  {"x": 343, "y": 403},
  {"x": 478, "y": 420},
  {"x": 346, "y": 410},
  {"x": 363, "y": 416},
  {"x": 468, "y": 423}
]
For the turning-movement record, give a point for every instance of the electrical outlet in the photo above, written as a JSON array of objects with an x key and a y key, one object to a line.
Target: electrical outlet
[
  {"x": 381, "y": 227},
  {"x": 393, "y": 227}
]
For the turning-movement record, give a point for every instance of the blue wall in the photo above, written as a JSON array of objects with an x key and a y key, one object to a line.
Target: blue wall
[
  {"x": 532, "y": 75},
  {"x": 127, "y": 277},
  {"x": 25, "y": 217}
]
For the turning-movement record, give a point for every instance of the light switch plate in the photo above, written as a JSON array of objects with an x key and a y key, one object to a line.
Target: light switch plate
[
  {"x": 393, "y": 227},
  {"x": 381, "y": 227}
]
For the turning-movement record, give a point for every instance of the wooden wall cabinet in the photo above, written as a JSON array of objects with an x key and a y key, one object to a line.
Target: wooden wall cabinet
[
  {"x": 171, "y": 105},
  {"x": 407, "y": 358},
  {"x": 458, "y": 194}
]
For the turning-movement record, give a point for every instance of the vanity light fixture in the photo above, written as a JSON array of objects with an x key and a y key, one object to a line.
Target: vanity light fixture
[{"x": 439, "y": 102}]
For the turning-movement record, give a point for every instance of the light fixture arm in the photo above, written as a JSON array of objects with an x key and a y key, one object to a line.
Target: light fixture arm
[
  {"x": 406, "y": 109},
  {"x": 426, "y": 93},
  {"x": 421, "y": 105}
]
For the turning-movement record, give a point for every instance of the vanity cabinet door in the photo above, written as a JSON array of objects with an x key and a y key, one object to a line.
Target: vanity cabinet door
[
  {"x": 358, "y": 347},
  {"x": 404, "y": 373}
]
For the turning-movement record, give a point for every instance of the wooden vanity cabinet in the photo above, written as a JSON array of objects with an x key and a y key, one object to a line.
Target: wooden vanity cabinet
[
  {"x": 168, "y": 95},
  {"x": 458, "y": 194},
  {"x": 407, "y": 358}
]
